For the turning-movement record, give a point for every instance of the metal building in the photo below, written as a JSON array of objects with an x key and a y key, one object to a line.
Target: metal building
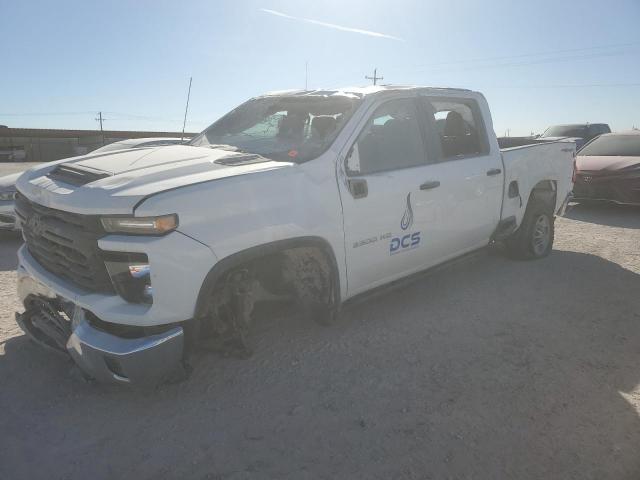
[{"x": 45, "y": 145}]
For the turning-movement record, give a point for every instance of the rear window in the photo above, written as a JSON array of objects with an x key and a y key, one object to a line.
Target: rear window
[
  {"x": 459, "y": 125},
  {"x": 613, "y": 146}
]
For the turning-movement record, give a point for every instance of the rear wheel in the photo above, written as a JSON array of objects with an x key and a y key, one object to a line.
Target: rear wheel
[{"x": 534, "y": 238}]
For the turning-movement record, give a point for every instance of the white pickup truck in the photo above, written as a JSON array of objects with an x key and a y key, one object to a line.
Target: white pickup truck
[{"x": 133, "y": 257}]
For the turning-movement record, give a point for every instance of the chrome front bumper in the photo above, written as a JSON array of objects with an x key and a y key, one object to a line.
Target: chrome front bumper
[
  {"x": 105, "y": 356},
  {"x": 109, "y": 358}
]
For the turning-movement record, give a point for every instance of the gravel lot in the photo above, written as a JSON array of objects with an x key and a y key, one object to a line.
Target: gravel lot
[{"x": 490, "y": 369}]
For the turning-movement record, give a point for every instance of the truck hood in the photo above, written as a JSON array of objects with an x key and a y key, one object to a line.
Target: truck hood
[
  {"x": 115, "y": 182},
  {"x": 590, "y": 163}
]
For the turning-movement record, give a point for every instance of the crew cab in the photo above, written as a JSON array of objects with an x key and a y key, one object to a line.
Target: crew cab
[{"x": 134, "y": 258}]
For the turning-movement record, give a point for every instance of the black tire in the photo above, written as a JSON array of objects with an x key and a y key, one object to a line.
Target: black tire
[
  {"x": 316, "y": 293},
  {"x": 534, "y": 238}
]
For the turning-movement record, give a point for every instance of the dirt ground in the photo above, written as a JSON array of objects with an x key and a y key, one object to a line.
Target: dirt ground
[{"x": 491, "y": 369}]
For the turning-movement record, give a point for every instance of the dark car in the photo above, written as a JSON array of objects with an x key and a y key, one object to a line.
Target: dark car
[
  {"x": 608, "y": 168},
  {"x": 581, "y": 132}
]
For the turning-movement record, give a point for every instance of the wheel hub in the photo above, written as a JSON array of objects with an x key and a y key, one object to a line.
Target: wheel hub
[{"x": 541, "y": 234}]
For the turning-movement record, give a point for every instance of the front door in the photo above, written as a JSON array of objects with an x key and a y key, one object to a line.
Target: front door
[{"x": 386, "y": 197}]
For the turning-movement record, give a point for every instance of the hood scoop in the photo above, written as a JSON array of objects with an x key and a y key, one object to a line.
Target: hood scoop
[
  {"x": 241, "y": 160},
  {"x": 76, "y": 175}
]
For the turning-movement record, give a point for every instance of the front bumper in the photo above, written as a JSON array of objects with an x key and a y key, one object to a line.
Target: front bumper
[
  {"x": 617, "y": 189},
  {"x": 102, "y": 355},
  {"x": 109, "y": 358},
  {"x": 7, "y": 216}
]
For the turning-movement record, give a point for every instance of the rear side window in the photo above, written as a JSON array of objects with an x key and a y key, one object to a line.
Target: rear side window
[
  {"x": 391, "y": 140},
  {"x": 459, "y": 126}
]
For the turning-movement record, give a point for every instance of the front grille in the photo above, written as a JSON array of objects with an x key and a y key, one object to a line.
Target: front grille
[
  {"x": 65, "y": 244},
  {"x": 619, "y": 188}
]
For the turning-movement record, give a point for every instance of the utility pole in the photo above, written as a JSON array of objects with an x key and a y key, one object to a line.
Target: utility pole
[
  {"x": 186, "y": 110},
  {"x": 306, "y": 76},
  {"x": 100, "y": 119},
  {"x": 375, "y": 77}
]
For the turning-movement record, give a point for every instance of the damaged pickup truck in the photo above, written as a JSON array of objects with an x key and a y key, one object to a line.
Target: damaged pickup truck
[{"x": 133, "y": 258}]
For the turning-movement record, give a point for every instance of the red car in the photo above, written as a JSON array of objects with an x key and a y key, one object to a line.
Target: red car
[{"x": 608, "y": 168}]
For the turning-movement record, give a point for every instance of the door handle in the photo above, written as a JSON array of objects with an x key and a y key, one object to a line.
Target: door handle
[
  {"x": 429, "y": 185},
  {"x": 493, "y": 172}
]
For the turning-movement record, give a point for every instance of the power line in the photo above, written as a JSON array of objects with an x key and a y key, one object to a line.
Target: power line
[
  {"x": 134, "y": 116},
  {"x": 42, "y": 114},
  {"x": 538, "y": 61},
  {"x": 526, "y": 55},
  {"x": 584, "y": 85}
]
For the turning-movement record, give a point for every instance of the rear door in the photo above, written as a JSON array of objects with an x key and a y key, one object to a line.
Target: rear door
[{"x": 468, "y": 169}]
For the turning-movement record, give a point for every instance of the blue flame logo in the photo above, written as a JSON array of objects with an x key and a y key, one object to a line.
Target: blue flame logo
[{"x": 407, "y": 218}]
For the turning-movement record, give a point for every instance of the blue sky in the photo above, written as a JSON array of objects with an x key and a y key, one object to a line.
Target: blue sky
[{"x": 538, "y": 62}]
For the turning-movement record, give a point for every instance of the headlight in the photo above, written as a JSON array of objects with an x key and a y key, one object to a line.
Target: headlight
[
  {"x": 7, "y": 196},
  {"x": 141, "y": 225}
]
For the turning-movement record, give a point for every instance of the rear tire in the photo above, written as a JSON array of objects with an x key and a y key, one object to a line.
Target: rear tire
[{"x": 534, "y": 238}]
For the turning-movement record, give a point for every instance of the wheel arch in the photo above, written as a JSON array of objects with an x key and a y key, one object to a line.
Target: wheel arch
[
  {"x": 546, "y": 191},
  {"x": 262, "y": 250}
]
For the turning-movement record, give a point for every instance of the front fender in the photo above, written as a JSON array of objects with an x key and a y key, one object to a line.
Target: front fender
[{"x": 253, "y": 253}]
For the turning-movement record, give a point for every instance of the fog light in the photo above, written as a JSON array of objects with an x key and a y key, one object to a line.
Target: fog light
[{"x": 130, "y": 275}]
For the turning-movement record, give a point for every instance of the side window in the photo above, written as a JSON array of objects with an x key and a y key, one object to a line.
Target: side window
[
  {"x": 390, "y": 140},
  {"x": 459, "y": 125}
]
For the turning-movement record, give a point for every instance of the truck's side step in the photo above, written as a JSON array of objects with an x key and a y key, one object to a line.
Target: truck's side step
[{"x": 505, "y": 228}]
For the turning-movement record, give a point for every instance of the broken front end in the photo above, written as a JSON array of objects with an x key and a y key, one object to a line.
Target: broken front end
[{"x": 117, "y": 304}]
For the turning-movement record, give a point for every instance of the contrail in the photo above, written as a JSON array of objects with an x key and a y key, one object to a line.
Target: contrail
[{"x": 332, "y": 25}]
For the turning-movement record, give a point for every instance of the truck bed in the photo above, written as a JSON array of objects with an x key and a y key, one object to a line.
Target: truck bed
[
  {"x": 530, "y": 164},
  {"x": 511, "y": 142}
]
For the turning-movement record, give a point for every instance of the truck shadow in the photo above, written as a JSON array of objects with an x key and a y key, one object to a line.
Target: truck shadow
[
  {"x": 10, "y": 242},
  {"x": 490, "y": 369},
  {"x": 611, "y": 215}
]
